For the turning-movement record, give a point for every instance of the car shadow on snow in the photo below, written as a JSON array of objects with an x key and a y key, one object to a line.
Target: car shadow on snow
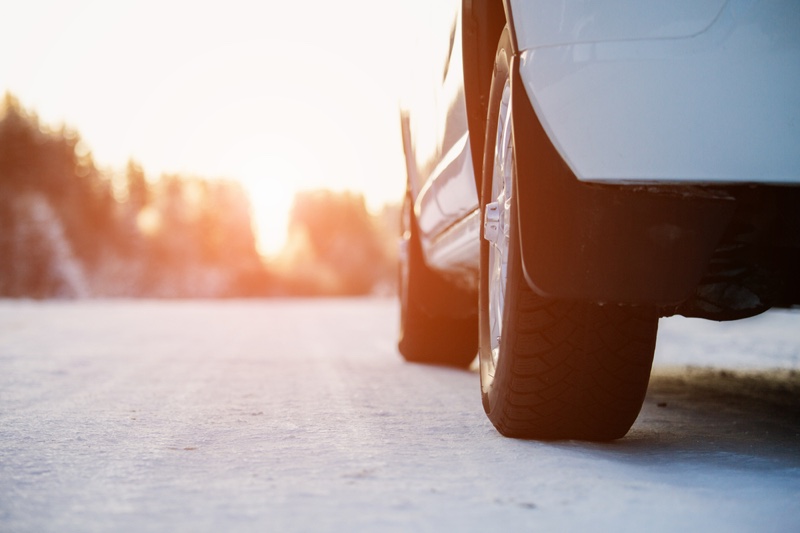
[{"x": 749, "y": 419}]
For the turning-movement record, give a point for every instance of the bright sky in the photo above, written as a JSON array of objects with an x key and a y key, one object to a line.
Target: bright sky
[{"x": 283, "y": 96}]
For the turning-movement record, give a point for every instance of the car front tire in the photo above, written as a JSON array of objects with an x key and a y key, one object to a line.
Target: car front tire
[{"x": 438, "y": 322}]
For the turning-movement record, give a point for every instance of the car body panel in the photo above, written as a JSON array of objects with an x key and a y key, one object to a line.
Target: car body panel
[
  {"x": 540, "y": 23},
  {"x": 450, "y": 192},
  {"x": 444, "y": 187},
  {"x": 718, "y": 106},
  {"x": 659, "y": 98}
]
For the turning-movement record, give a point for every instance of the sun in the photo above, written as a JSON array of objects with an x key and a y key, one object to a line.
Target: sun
[
  {"x": 271, "y": 202},
  {"x": 234, "y": 95},
  {"x": 270, "y": 181}
]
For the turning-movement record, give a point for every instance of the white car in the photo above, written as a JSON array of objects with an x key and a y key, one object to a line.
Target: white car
[{"x": 578, "y": 169}]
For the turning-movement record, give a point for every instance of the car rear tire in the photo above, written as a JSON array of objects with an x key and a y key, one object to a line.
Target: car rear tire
[
  {"x": 438, "y": 321},
  {"x": 550, "y": 369}
]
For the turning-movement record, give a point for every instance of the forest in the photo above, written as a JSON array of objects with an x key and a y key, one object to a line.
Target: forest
[{"x": 69, "y": 229}]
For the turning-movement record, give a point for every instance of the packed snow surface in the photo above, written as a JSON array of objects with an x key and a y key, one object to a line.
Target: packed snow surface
[{"x": 300, "y": 416}]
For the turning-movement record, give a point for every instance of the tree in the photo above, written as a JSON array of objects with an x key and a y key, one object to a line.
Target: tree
[
  {"x": 63, "y": 232},
  {"x": 337, "y": 246}
]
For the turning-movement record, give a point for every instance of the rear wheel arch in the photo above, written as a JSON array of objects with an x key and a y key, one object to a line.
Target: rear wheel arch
[{"x": 483, "y": 23}]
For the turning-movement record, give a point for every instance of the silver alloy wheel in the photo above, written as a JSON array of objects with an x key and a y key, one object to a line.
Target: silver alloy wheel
[{"x": 497, "y": 221}]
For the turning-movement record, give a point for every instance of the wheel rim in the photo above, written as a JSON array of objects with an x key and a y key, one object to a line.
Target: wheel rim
[{"x": 497, "y": 223}]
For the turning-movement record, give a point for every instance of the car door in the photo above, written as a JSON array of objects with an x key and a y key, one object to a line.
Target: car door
[{"x": 442, "y": 179}]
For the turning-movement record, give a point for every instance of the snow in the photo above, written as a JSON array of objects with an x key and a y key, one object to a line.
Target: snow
[
  {"x": 298, "y": 415},
  {"x": 770, "y": 340}
]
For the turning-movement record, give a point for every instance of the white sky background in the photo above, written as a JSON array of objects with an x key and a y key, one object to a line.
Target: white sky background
[{"x": 284, "y": 96}]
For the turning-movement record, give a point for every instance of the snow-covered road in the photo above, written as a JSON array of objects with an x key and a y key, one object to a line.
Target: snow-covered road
[{"x": 300, "y": 416}]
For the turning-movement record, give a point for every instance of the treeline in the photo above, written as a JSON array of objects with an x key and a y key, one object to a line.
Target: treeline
[
  {"x": 68, "y": 229},
  {"x": 336, "y": 247}
]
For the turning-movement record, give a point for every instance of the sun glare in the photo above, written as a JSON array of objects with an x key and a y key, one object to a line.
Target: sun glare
[
  {"x": 233, "y": 92},
  {"x": 268, "y": 183}
]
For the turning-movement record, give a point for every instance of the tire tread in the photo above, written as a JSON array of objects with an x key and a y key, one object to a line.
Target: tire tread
[{"x": 578, "y": 370}]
